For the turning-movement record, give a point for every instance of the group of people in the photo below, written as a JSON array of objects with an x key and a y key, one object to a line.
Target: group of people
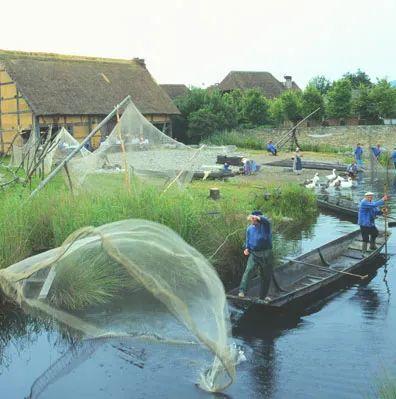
[{"x": 258, "y": 242}]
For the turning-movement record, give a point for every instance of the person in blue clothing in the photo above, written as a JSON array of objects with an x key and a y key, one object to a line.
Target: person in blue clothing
[
  {"x": 368, "y": 211},
  {"x": 376, "y": 150},
  {"x": 258, "y": 248},
  {"x": 352, "y": 169},
  {"x": 393, "y": 157},
  {"x": 358, "y": 154},
  {"x": 271, "y": 147}
]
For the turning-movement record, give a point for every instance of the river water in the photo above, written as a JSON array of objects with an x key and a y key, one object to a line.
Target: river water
[{"x": 339, "y": 351}]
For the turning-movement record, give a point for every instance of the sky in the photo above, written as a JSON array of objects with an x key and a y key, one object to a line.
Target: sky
[{"x": 197, "y": 42}]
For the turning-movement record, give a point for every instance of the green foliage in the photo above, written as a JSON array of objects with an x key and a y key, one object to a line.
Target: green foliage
[
  {"x": 339, "y": 99},
  {"x": 312, "y": 99},
  {"x": 364, "y": 106},
  {"x": 240, "y": 138},
  {"x": 292, "y": 105},
  {"x": 357, "y": 79},
  {"x": 384, "y": 96},
  {"x": 276, "y": 112},
  {"x": 321, "y": 83},
  {"x": 255, "y": 108}
]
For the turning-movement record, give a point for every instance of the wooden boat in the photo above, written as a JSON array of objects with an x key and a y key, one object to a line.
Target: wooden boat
[
  {"x": 341, "y": 207},
  {"x": 300, "y": 283},
  {"x": 288, "y": 163}
]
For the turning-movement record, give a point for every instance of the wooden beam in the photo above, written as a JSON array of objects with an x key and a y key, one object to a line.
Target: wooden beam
[
  {"x": 15, "y": 113},
  {"x": 7, "y": 83},
  {"x": 47, "y": 284}
]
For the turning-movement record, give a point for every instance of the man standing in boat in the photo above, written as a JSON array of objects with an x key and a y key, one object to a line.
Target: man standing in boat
[
  {"x": 368, "y": 211},
  {"x": 258, "y": 248}
]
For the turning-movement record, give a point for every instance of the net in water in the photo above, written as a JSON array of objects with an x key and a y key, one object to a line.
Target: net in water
[{"x": 131, "y": 278}]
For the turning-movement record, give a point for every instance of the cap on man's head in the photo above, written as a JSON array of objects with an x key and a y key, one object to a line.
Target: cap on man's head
[
  {"x": 256, "y": 213},
  {"x": 368, "y": 193}
]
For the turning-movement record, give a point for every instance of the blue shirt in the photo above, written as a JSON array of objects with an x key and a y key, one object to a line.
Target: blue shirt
[
  {"x": 393, "y": 156},
  {"x": 352, "y": 168},
  {"x": 271, "y": 147},
  {"x": 368, "y": 211},
  {"x": 376, "y": 151},
  {"x": 259, "y": 236},
  {"x": 358, "y": 152}
]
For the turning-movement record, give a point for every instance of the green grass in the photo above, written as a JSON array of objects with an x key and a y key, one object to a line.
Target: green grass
[{"x": 215, "y": 228}]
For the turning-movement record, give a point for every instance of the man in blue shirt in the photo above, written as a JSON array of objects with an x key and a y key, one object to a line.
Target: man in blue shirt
[
  {"x": 258, "y": 248},
  {"x": 368, "y": 211},
  {"x": 272, "y": 148},
  {"x": 359, "y": 154},
  {"x": 376, "y": 150},
  {"x": 352, "y": 170}
]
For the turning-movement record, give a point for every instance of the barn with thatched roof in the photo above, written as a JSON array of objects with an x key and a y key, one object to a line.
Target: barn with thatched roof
[
  {"x": 38, "y": 90},
  {"x": 263, "y": 81},
  {"x": 175, "y": 90}
]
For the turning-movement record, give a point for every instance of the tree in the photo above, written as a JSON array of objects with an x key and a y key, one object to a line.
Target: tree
[
  {"x": 276, "y": 111},
  {"x": 358, "y": 79},
  {"x": 364, "y": 106},
  {"x": 339, "y": 99},
  {"x": 384, "y": 96},
  {"x": 255, "y": 108},
  {"x": 291, "y": 100},
  {"x": 321, "y": 83},
  {"x": 312, "y": 100}
]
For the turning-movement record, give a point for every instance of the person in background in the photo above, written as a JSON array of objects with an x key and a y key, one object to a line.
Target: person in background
[
  {"x": 352, "y": 169},
  {"x": 226, "y": 168},
  {"x": 393, "y": 157},
  {"x": 297, "y": 163},
  {"x": 376, "y": 150},
  {"x": 258, "y": 248},
  {"x": 358, "y": 153},
  {"x": 271, "y": 147},
  {"x": 368, "y": 211}
]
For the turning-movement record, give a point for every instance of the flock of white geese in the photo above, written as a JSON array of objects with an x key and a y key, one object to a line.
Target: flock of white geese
[{"x": 332, "y": 180}]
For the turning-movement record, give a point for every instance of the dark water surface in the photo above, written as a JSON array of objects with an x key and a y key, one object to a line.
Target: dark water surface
[{"x": 339, "y": 351}]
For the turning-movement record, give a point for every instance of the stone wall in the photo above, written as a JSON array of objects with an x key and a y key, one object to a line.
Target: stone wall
[{"x": 339, "y": 136}]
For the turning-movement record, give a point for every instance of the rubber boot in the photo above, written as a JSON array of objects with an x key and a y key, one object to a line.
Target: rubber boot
[
  {"x": 373, "y": 247},
  {"x": 364, "y": 248}
]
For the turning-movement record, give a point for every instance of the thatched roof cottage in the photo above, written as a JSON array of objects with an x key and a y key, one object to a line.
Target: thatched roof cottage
[
  {"x": 264, "y": 81},
  {"x": 175, "y": 90},
  {"x": 74, "y": 92}
]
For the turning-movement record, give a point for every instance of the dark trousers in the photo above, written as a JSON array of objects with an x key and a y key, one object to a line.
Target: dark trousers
[
  {"x": 263, "y": 261},
  {"x": 369, "y": 234}
]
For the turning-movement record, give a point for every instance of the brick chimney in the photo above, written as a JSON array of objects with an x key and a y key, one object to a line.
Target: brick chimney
[
  {"x": 288, "y": 82},
  {"x": 140, "y": 61}
]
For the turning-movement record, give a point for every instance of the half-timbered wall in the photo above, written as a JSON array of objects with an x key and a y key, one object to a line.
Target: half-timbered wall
[{"x": 16, "y": 115}]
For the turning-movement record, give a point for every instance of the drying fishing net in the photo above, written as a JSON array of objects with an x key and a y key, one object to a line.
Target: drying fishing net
[
  {"x": 44, "y": 153},
  {"x": 136, "y": 148},
  {"x": 135, "y": 279}
]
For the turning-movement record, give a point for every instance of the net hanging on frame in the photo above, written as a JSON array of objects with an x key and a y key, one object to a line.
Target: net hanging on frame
[{"x": 135, "y": 147}]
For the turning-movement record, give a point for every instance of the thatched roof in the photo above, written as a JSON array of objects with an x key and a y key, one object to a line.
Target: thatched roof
[
  {"x": 56, "y": 84},
  {"x": 175, "y": 90},
  {"x": 264, "y": 81}
]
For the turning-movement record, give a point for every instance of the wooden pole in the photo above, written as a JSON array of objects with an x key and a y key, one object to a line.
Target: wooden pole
[
  {"x": 329, "y": 269},
  {"x": 126, "y": 167},
  {"x": 125, "y": 101}
]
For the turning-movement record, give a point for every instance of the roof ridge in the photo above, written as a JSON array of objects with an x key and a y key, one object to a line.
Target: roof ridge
[{"x": 57, "y": 56}]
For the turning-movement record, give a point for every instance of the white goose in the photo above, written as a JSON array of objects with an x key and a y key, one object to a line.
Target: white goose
[
  {"x": 332, "y": 177},
  {"x": 336, "y": 182},
  {"x": 313, "y": 183},
  {"x": 347, "y": 184}
]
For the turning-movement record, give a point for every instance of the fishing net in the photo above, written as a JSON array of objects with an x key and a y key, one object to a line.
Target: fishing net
[
  {"x": 136, "y": 148},
  {"x": 131, "y": 278},
  {"x": 44, "y": 153}
]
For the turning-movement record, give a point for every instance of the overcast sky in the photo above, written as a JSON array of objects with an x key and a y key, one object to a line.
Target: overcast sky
[{"x": 197, "y": 42}]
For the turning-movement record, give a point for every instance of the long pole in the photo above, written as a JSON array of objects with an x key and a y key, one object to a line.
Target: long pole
[
  {"x": 76, "y": 150},
  {"x": 328, "y": 269},
  {"x": 286, "y": 136}
]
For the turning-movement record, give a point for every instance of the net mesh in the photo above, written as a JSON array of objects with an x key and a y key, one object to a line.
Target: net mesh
[
  {"x": 135, "y": 147},
  {"x": 130, "y": 278}
]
